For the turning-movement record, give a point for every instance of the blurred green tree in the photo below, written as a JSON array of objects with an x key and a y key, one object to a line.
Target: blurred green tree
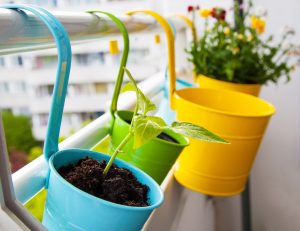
[{"x": 18, "y": 132}]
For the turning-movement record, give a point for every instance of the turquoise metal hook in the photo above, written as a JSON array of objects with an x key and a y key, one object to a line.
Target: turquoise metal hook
[{"x": 62, "y": 75}]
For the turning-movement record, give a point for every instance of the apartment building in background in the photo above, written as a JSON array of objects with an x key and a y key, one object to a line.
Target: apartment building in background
[{"x": 27, "y": 79}]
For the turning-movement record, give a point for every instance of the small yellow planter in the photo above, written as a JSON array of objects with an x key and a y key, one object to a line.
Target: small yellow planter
[{"x": 206, "y": 82}]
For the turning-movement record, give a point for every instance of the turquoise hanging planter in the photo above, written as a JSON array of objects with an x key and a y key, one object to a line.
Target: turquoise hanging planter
[{"x": 67, "y": 207}]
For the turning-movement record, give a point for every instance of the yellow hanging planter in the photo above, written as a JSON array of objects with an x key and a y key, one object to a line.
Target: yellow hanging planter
[
  {"x": 206, "y": 82},
  {"x": 215, "y": 169},
  {"x": 211, "y": 168}
]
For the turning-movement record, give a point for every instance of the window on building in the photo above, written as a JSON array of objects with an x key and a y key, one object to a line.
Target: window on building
[
  {"x": 81, "y": 59},
  {"x": 136, "y": 55},
  {"x": 67, "y": 119},
  {"x": 20, "y": 87},
  {"x": 43, "y": 119},
  {"x": 99, "y": 113},
  {"x": 102, "y": 57},
  {"x": 49, "y": 89},
  {"x": 2, "y": 62},
  {"x": 24, "y": 111},
  {"x": 49, "y": 61},
  {"x": 20, "y": 60},
  {"x": 45, "y": 61},
  {"x": 101, "y": 87},
  {"x": 44, "y": 91},
  {"x": 85, "y": 116},
  {"x": 4, "y": 87},
  {"x": 38, "y": 62}
]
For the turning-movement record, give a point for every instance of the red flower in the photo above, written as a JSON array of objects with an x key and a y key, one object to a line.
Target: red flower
[
  {"x": 222, "y": 15},
  {"x": 214, "y": 12},
  {"x": 190, "y": 8},
  {"x": 218, "y": 13}
]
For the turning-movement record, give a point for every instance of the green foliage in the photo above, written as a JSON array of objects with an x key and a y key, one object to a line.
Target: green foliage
[
  {"x": 144, "y": 127},
  {"x": 239, "y": 54},
  {"x": 34, "y": 153},
  {"x": 196, "y": 132},
  {"x": 18, "y": 132}
]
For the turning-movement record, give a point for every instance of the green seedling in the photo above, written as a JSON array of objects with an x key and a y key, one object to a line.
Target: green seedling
[{"x": 144, "y": 127}]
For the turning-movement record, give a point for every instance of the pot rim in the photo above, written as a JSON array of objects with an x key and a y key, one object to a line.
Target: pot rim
[
  {"x": 183, "y": 142},
  {"x": 118, "y": 162},
  {"x": 228, "y": 82},
  {"x": 266, "y": 113}
]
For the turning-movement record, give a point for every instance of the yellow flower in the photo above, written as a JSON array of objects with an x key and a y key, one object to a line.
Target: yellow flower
[
  {"x": 205, "y": 12},
  {"x": 240, "y": 36},
  {"x": 226, "y": 30},
  {"x": 258, "y": 24},
  {"x": 208, "y": 29},
  {"x": 250, "y": 37},
  {"x": 235, "y": 50}
]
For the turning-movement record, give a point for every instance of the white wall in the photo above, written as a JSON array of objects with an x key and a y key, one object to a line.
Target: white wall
[
  {"x": 275, "y": 185},
  {"x": 276, "y": 174}
]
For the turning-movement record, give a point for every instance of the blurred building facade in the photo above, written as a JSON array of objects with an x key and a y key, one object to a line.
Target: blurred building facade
[{"x": 26, "y": 80}]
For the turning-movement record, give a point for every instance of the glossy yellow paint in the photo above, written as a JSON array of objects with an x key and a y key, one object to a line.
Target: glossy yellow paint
[
  {"x": 171, "y": 47},
  {"x": 217, "y": 169},
  {"x": 191, "y": 25},
  {"x": 113, "y": 47},
  {"x": 211, "y": 168},
  {"x": 157, "y": 39},
  {"x": 206, "y": 82}
]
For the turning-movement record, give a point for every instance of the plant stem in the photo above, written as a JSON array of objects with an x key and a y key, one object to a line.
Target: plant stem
[
  {"x": 238, "y": 13},
  {"x": 118, "y": 149}
]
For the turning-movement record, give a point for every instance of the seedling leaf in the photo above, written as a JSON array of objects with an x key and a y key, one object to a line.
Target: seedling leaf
[
  {"x": 144, "y": 103},
  {"x": 146, "y": 128},
  {"x": 128, "y": 87},
  {"x": 196, "y": 132}
]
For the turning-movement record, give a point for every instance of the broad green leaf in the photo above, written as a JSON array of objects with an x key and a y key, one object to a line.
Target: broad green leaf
[
  {"x": 144, "y": 103},
  {"x": 146, "y": 128},
  {"x": 128, "y": 87},
  {"x": 196, "y": 132}
]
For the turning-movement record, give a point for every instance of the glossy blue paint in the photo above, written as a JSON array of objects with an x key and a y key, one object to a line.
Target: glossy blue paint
[{"x": 69, "y": 208}]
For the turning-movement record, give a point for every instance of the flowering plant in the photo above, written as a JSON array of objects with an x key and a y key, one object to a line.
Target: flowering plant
[{"x": 238, "y": 53}]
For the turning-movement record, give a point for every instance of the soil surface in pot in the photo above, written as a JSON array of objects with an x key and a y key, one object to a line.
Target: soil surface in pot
[
  {"x": 162, "y": 136},
  {"x": 119, "y": 185},
  {"x": 166, "y": 137}
]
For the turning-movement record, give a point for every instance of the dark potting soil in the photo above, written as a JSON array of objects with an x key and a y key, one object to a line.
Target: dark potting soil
[
  {"x": 162, "y": 136},
  {"x": 166, "y": 137},
  {"x": 119, "y": 185}
]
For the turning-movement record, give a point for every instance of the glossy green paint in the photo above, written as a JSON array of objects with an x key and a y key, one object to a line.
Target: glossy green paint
[{"x": 156, "y": 157}]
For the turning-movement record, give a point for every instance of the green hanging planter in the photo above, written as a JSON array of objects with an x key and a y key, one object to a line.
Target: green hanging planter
[{"x": 156, "y": 157}]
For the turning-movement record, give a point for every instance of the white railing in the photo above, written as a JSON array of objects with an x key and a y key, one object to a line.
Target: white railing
[{"x": 81, "y": 27}]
